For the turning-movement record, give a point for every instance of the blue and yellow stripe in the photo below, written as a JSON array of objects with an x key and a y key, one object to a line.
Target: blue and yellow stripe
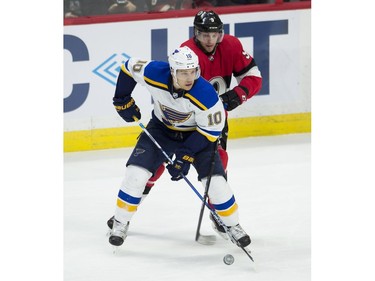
[
  {"x": 156, "y": 84},
  {"x": 195, "y": 101},
  {"x": 210, "y": 135},
  {"x": 226, "y": 209},
  {"x": 125, "y": 70},
  {"x": 127, "y": 202}
]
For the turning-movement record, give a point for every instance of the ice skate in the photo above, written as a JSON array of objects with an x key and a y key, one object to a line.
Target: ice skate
[
  {"x": 118, "y": 233},
  {"x": 218, "y": 228},
  {"x": 110, "y": 222},
  {"x": 240, "y": 236}
]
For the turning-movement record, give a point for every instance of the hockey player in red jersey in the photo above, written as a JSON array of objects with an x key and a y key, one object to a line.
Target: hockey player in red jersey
[{"x": 221, "y": 56}]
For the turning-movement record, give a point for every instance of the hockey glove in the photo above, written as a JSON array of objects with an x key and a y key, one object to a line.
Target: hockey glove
[
  {"x": 127, "y": 108},
  {"x": 181, "y": 165},
  {"x": 230, "y": 100}
]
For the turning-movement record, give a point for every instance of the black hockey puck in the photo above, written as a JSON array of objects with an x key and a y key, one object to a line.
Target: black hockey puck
[{"x": 228, "y": 259}]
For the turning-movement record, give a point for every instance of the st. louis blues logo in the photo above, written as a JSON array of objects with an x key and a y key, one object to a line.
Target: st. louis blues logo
[
  {"x": 171, "y": 116},
  {"x": 138, "y": 151}
]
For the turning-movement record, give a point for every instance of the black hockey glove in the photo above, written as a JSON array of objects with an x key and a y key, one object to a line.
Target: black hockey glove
[
  {"x": 181, "y": 165},
  {"x": 230, "y": 100},
  {"x": 127, "y": 108}
]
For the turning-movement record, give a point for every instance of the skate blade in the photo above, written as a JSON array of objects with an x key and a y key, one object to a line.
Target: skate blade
[
  {"x": 248, "y": 253},
  {"x": 206, "y": 239},
  {"x": 115, "y": 249}
]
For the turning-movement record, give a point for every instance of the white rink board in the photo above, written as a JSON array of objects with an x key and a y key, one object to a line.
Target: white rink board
[{"x": 289, "y": 57}]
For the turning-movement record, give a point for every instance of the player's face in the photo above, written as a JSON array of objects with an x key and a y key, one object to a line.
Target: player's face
[
  {"x": 186, "y": 77},
  {"x": 208, "y": 40}
]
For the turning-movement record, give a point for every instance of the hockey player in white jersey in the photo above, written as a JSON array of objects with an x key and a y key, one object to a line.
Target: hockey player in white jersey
[{"x": 187, "y": 119}]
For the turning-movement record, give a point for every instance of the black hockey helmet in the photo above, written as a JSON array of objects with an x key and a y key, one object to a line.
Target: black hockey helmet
[{"x": 208, "y": 21}]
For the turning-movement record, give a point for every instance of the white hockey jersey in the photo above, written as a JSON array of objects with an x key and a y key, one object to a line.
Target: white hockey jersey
[{"x": 198, "y": 109}]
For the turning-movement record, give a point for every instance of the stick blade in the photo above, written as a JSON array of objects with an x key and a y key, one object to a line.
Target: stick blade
[{"x": 206, "y": 239}]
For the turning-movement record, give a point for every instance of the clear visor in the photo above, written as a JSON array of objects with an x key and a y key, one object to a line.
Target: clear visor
[
  {"x": 187, "y": 74},
  {"x": 209, "y": 36}
]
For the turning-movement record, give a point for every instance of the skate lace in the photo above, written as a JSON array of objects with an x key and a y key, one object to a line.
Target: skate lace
[
  {"x": 120, "y": 229},
  {"x": 237, "y": 232}
]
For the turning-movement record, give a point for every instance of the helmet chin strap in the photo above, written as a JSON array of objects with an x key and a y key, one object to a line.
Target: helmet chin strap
[
  {"x": 175, "y": 83},
  {"x": 177, "y": 91}
]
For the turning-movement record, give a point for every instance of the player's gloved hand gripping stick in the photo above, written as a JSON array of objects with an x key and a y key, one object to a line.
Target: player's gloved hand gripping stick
[{"x": 215, "y": 215}]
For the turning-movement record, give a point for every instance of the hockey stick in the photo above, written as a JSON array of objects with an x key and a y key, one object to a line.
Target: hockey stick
[
  {"x": 200, "y": 238},
  {"x": 214, "y": 214}
]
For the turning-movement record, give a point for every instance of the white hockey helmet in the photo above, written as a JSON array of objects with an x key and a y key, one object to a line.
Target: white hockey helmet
[{"x": 183, "y": 58}]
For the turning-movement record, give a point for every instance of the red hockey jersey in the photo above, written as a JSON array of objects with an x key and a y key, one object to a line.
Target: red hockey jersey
[{"x": 229, "y": 58}]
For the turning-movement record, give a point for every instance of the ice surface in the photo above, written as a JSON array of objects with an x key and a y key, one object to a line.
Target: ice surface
[{"x": 271, "y": 179}]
